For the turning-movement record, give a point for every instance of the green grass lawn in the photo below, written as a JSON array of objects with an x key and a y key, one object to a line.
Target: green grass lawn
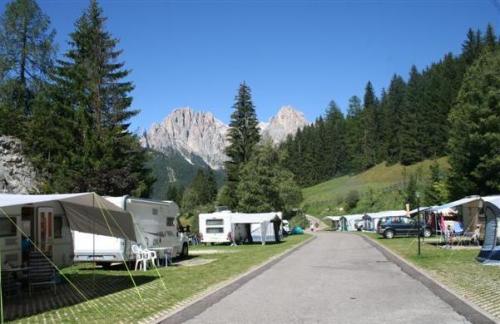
[
  {"x": 457, "y": 269},
  {"x": 124, "y": 303},
  {"x": 321, "y": 199}
]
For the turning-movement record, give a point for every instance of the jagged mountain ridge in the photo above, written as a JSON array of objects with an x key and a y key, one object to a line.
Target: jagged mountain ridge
[{"x": 199, "y": 134}]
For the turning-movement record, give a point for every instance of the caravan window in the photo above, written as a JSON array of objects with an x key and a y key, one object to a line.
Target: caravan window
[
  {"x": 215, "y": 230},
  {"x": 58, "y": 225},
  {"x": 215, "y": 222},
  {"x": 7, "y": 228},
  {"x": 170, "y": 221}
]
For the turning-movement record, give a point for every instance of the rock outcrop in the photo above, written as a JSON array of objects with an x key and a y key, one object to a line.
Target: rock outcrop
[
  {"x": 17, "y": 175},
  {"x": 286, "y": 122},
  {"x": 192, "y": 134}
]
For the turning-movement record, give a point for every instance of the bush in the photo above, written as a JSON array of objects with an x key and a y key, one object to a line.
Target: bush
[{"x": 352, "y": 199}]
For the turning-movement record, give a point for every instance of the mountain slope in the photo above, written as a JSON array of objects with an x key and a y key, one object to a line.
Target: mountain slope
[{"x": 323, "y": 199}]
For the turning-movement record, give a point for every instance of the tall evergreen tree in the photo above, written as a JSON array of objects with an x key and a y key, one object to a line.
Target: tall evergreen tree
[
  {"x": 243, "y": 135},
  {"x": 354, "y": 125},
  {"x": 26, "y": 57},
  {"x": 409, "y": 135},
  {"x": 107, "y": 158},
  {"x": 335, "y": 146},
  {"x": 394, "y": 109},
  {"x": 474, "y": 143},
  {"x": 490, "y": 39},
  {"x": 471, "y": 48},
  {"x": 371, "y": 127}
]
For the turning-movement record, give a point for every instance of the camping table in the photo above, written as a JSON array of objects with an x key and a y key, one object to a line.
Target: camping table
[{"x": 167, "y": 253}]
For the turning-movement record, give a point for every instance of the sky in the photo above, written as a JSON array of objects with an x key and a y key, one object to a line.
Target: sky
[{"x": 303, "y": 53}]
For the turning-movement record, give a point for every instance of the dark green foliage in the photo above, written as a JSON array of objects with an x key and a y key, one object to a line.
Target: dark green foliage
[
  {"x": 26, "y": 59},
  {"x": 394, "y": 106},
  {"x": 351, "y": 200},
  {"x": 171, "y": 169},
  {"x": 371, "y": 129},
  {"x": 409, "y": 136},
  {"x": 410, "y": 191},
  {"x": 243, "y": 135},
  {"x": 202, "y": 191},
  {"x": 93, "y": 103},
  {"x": 175, "y": 193},
  {"x": 474, "y": 143},
  {"x": 435, "y": 191},
  {"x": 265, "y": 185}
]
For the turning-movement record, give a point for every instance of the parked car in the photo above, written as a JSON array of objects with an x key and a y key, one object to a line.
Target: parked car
[
  {"x": 286, "y": 227},
  {"x": 390, "y": 227}
]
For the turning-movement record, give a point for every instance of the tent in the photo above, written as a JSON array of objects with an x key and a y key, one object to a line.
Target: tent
[
  {"x": 348, "y": 222},
  {"x": 46, "y": 222},
  {"x": 465, "y": 211},
  {"x": 490, "y": 252},
  {"x": 335, "y": 221}
]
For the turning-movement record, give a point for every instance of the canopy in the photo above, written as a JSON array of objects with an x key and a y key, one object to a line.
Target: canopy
[
  {"x": 86, "y": 212},
  {"x": 447, "y": 207},
  {"x": 387, "y": 213},
  {"x": 257, "y": 218}
]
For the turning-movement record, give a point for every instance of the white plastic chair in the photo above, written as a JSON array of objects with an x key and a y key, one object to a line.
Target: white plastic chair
[
  {"x": 151, "y": 256},
  {"x": 140, "y": 259}
]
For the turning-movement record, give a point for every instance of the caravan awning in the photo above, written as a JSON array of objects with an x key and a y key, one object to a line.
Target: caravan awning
[
  {"x": 447, "y": 207},
  {"x": 333, "y": 218},
  {"x": 257, "y": 218},
  {"x": 86, "y": 212},
  {"x": 387, "y": 213}
]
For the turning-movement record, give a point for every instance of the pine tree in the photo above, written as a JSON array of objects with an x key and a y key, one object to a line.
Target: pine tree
[
  {"x": 354, "y": 125},
  {"x": 243, "y": 135},
  {"x": 371, "y": 128},
  {"x": 394, "y": 109},
  {"x": 474, "y": 142},
  {"x": 490, "y": 39},
  {"x": 471, "y": 48},
  {"x": 409, "y": 135},
  {"x": 26, "y": 57},
  {"x": 335, "y": 138},
  {"x": 107, "y": 157}
]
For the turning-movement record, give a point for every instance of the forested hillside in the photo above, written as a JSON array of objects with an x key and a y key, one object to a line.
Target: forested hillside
[
  {"x": 406, "y": 123},
  {"x": 382, "y": 187}
]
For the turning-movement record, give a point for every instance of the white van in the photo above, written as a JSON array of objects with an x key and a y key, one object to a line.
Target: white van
[{"x": 156, "y": 227}]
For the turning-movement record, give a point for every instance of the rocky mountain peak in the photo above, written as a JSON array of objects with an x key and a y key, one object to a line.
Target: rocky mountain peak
[
  {"x": 192, "y": 133},
  {"x": 196, "y": 134},
  {"x": 287, "y": 121}
]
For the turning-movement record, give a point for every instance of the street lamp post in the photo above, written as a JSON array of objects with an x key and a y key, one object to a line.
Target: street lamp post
[{"x": 419, "y": 226}]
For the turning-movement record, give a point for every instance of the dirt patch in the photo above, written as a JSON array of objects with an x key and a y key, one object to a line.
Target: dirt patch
[
  {"x": 193, "y": 262},
  {"x": 203, "y": 252}
]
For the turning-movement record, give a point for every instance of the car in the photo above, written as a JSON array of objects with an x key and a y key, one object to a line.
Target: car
[
  {"x": 286, "y": 227},
  {"x": 393, "y": 226}
]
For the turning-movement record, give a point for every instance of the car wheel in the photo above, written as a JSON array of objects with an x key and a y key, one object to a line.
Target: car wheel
[
  {"x": 427, "y": 232},
  {"x": 185, "y": 251},
  {"x": 389, "y": 234}
]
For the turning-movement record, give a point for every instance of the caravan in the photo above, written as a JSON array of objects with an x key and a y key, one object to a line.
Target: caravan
[
  {"x": 155, "y": 225},
  {"x": 43, "y": 224},
  {"x": 227, "y": 227}
]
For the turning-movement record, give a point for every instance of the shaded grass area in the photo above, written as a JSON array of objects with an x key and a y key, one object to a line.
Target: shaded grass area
[
  {"x": 322, "y": 199},
  {"x": 153, "y": 294},
  {"x": 456, "y": 268}
]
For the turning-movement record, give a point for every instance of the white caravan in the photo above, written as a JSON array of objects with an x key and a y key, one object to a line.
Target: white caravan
[
  {"x": 225, "y": 227},
  {"x": 43, "y": 223},
  {"x": 155, "y": 225}
]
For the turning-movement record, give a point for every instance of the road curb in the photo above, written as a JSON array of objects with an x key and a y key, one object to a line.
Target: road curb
[
  {"x": 463, "y": 307},
  {"x": 200, "y": 302}
]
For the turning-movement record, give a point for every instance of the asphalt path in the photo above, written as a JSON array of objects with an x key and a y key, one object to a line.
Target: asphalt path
[{"x": 337, "y": 278}]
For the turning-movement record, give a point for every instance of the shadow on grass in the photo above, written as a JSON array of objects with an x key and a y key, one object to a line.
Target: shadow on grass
[{"x": 88, "y": 286}]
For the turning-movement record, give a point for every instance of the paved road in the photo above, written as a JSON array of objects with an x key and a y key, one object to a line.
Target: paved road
[{"x": 337, "y": 278}]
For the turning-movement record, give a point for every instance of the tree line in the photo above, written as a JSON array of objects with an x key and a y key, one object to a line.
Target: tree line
[
  {"x": 432, "y": 113},
  {"x": 72, "y": 111}
]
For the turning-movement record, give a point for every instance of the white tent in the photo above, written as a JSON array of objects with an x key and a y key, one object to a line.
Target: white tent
[
  {"x": 85, "y": 212},
  {"x": 335, "y": 221},
  {"x": 347, "y": 222}
]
